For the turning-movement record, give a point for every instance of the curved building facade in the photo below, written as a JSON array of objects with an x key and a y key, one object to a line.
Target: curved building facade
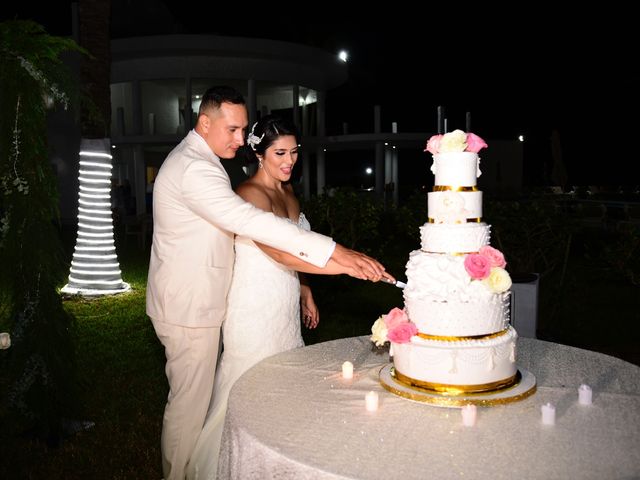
[{"x": 157, "y": 83}]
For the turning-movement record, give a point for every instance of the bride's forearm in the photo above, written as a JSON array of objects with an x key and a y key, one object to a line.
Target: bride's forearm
[{"x": 331, "y": 268}]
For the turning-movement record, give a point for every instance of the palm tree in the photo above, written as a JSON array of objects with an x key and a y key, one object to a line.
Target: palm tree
[{"x": 94, "y": 268}]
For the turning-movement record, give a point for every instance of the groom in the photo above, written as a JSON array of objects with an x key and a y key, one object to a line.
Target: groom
[{"x": 195, "y": 217}]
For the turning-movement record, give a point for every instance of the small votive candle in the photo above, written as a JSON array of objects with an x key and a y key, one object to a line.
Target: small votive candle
[
  {"x": 469, "y": 415},
  {"x": 347, "y": 370},
  {"x": 585, "y": 395},
  {"x": 371, "y": 401},
  {"x": 548, "y": 414}
]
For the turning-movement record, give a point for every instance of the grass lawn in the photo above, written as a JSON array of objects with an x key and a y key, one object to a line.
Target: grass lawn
[{"x": 121, "y": 362}]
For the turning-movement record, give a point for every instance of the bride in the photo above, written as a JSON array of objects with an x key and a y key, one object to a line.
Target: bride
[{"x": 266, "y": 294}]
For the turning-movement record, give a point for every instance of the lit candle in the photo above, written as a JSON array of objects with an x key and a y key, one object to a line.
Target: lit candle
[
  {"x": 371, "y": 401},
  {"x": 469, "y": 415},
  {"x": 347, "y": 370},
  {"x": 548, "y": 414},
  {"x": 585, "y": 395}
]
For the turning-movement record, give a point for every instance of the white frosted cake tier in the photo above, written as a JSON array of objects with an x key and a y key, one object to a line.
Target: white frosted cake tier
[
  {"x": 458, "y": 238},
  {"x": 456, "y": 169},
  {"x": 441, "y": 298},
  {"x": 440, "y": 206},
  {"x": 456, "y": 318},
  {"x": 484, "y": 363}
]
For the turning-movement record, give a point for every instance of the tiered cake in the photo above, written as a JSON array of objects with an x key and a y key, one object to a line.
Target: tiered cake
[{"x": 453, "y": 337}]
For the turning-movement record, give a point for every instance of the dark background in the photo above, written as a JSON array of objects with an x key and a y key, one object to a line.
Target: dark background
[{"x": 524, "y": 70}]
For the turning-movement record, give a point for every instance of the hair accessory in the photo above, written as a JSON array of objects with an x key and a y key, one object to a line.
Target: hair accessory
[{"x": 252, "y": 139}]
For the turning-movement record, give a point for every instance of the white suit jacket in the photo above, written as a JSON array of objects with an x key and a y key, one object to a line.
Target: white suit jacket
[{"x": 195, "y": 216}]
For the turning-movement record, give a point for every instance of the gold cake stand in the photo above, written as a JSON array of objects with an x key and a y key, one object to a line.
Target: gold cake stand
[{"x": 524, "y": 387}]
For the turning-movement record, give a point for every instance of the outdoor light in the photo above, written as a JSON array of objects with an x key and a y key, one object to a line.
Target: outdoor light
[
  {"x": 343, "y": 55},
  {"x": 94, "y": 268},
  {"x": 521, "y": 138},
  {"x": 369, "y": 170}
]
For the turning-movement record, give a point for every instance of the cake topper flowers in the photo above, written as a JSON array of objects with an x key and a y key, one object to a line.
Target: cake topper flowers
[{"x": 456, "y": 141}]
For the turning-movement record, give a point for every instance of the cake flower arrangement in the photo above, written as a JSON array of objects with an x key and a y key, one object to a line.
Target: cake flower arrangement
[
  {"x": 488, "y": 266},
  {"x": 395, "y": 326},
  {"x": 456, "y": 141}
]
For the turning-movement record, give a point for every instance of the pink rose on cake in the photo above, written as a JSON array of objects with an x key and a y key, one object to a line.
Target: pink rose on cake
[
  {"x": 395, "y": 317},
  {"x": 475, "y": 143},
  {"x": 488, "y": 265},
  {"x": 402, "y": 333},
  {"x": 495, "y": 256},
  {"x": 456, "y": 141},
  {"x": 395, "y": 326},
  {"x": 477, "y": 266}
]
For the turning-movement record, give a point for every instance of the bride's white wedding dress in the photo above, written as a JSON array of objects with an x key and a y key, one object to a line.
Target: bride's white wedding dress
[{"x": 263, "y": 318}]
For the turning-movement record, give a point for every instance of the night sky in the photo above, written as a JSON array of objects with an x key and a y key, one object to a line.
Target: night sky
[{"x": 538, "y": 72}]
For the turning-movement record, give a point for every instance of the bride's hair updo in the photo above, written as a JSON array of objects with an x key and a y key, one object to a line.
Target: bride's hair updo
[{"x": 267, "y": 130}]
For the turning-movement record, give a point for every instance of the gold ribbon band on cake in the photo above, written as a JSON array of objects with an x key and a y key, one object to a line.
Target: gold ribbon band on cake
[
  {"x": 445, "y": 188},
  {"x": 455, "y": 254},
  {"x": 446, "y": 338},
  {"x": 469, "y": 220},
  {"x": 453, "y": 390}
]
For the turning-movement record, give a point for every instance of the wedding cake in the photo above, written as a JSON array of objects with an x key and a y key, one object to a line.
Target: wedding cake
[{"x": 453, "y": 337}]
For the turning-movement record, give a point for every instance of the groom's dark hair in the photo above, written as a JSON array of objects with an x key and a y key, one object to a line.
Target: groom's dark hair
[{"x": 216, "y": 96}]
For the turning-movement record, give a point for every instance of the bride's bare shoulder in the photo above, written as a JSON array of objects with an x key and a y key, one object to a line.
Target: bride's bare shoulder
[{"x": 255, "y": 194}]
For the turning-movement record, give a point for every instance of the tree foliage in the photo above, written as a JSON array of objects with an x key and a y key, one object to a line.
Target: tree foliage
[{"x": 40, "y": 362}]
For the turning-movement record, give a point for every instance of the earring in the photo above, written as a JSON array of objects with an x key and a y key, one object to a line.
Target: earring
[{"x": 259, "y": 163}]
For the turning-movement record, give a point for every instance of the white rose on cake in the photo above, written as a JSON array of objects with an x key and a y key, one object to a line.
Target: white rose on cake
[
  {"x": 379, "y": 332},
  {"x": 455, "y": 141},
  {"x": 498, "y": 280}
]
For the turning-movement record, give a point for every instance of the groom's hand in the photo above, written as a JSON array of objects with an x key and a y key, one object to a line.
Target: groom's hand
[{"x": 359, "y": 265}]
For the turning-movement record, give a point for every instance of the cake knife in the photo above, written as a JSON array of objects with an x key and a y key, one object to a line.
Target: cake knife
[{"x": 397, "y": 283}]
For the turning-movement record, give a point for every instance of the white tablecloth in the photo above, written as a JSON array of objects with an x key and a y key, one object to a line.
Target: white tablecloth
[{"x": 292, "y": 416}]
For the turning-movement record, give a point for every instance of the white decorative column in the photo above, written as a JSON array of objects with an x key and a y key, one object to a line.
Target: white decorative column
[
  {"x": 380, "y": 155},
  {"x": 320, "y": 151},
  {"x": 306, "y": 174},
  {"x": 295, "y": 92},
  {"x": 252, "y": 101},
  {"x": 394, "y": 174},
  {"x": 94, "y": 267},
  {"x": 320, "y": 170},
  {"x": 379, "y": 168}
]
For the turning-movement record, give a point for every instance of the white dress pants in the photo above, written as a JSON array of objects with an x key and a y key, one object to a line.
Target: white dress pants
[{"x": 192, "y": 354}]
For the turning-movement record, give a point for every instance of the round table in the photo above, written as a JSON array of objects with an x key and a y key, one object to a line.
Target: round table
[{"x": 294, "y": 416}]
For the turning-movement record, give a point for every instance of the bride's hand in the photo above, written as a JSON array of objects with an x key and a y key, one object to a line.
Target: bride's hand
[
  {"x": 358, "y": 265},
  {"x": 310, "y": 313}
]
